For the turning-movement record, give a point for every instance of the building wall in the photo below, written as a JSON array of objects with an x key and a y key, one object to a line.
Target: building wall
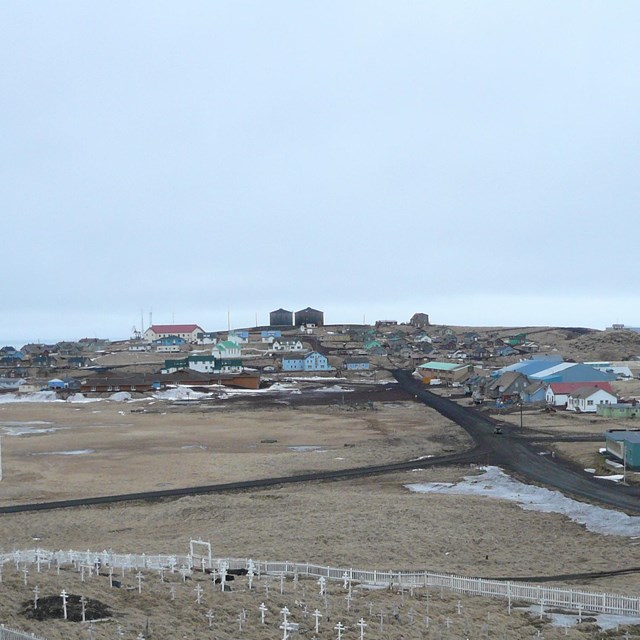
[
  {"x": 309, "y": 316},
  {"x": 281, "y": 318},
  {"x": 292, "y": 364}
]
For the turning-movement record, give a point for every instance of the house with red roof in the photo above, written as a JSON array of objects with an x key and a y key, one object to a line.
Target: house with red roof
[
  {"x": 558, "y": 393},
  {"x": 189, "y": 332}
]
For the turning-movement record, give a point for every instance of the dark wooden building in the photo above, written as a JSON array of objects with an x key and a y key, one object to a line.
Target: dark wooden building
[
  {"x": 281, "y": 318},
  {"x": 309, "y": 316}
]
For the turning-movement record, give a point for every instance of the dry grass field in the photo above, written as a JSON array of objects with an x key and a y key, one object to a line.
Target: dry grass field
[{"x": 367, "y": 523}]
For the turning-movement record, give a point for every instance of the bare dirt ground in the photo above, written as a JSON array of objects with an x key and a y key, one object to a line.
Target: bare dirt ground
[{"x": 369, "y": 523}]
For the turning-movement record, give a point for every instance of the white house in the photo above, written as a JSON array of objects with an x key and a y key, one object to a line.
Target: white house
[
  {"x": 557, "y": 393},
  {"x": 188, "y": 332},
  {"x": 287, "y": 344},
  {"x": 587, "y": 399}
]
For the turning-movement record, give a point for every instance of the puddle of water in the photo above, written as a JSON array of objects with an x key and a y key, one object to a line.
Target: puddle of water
[{"x": 306, "y": 447}]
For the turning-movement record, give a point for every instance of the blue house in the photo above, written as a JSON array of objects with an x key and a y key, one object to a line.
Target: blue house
[
  {"x": 312, "y": 361},
  {"x": 356, "y": 363}
]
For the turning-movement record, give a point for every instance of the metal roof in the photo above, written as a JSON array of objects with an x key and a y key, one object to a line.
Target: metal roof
[
  {"x": 624, "y": 436},
  {"x": 441, "y": 366}
]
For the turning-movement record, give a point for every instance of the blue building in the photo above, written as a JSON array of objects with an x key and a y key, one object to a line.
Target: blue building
[
  {"x": 312, "y": 361},
  {"x": 169, "y": 341},
  {"x": 572, "y": 372},
  {"x": 356, "y": 363}
]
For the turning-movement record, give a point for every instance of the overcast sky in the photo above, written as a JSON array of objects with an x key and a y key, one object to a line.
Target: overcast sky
[{"x": 477, "y": 161}]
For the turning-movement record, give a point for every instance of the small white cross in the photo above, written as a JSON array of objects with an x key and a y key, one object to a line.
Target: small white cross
[
  {"x": 210, "y": 616},
  {"x": 362, "y": 624},
  {"x": 317, "y": 615},
  {"x": 263, "y": 609},
  {"x": 139, "y": 578},
  {"x": 339, "y": 628},
  {"x": 198, "y": 591},
  {"x": 64, "y": 596},
  {"x": 36, "y": 591}
]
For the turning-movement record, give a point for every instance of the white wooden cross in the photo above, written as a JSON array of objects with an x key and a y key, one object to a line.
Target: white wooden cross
[
  {"x": 459, "y": 607},
  {"x": 284, "y": 612},
  {"x": 83, "y": 603},
  {"x": 345, "y": 580},
  {"x": 286, "y": 627},
  {"x": 339, "y": 628},
  {"x": 64, "y": 596},
  {"x": 317, "y": 615},
  {"x": 223, "y": 574},
  {"x": 250, "y": 574},
  {"x": 139, "y": 578},
  {"x": 172, "y": 591},
  {"x": 183, "y": 572},
  {"x": 579, "y": 613},
  {"x": 281, "y": 583},
  {"x": 25, "y": 571},
  {"x": 198, "y": 591},
  {"x": 447, "y": 622},
  {"x": 263, "y": 609},
  {"x": 541, "y": 608},
  {"x": 348, "y": 599},
  {"x": 82, "y": 572},
  {"x": 210, "y": 616},
  {"x": 412, "y": 615},
  {"x": 370, "y": 609},
  {"x": 322, "y": 581},
  {"x": 240, "y": 621},
  {"x": 36, "y": 591},
  {"x": 362, "y": 624},
  {"x": 427, "y": 620},
  {"x": 111, "y": 577},
  {"x": 172, "y": 564},
  {"x": 161, "y": 574}
]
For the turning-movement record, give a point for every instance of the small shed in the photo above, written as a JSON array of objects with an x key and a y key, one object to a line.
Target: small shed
[{"x": 624, "y": 444}]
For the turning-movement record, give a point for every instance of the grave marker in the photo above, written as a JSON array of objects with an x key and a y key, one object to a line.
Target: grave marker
[
  {"x": 362, "y": 624},
  {"x": 36, "y": 591},
  {"x": 198, "y": 591},
  {"x": 210, "y": 616},
  {"x": 263, "y": 609},
  {"x": 64, "y": 597},
  {"x": 339, "y": 628},
  {"x": 317, "y": 615},
  {"x": 83, "y": 604},
  {"x": 139, "y": 578}
]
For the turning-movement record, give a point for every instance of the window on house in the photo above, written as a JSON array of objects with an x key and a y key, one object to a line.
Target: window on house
[{"x": 589, "y": 402}]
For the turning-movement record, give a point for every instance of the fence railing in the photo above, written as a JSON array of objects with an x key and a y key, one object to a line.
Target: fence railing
[
  {"x": 13, "y": 634},
  {"x": 571, "y": 599}
]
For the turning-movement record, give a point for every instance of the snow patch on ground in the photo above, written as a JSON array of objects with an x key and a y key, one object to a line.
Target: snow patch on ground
[
  {"x": 74, "y": 452},
  {"x": 38, "y": 396},
  {"x": 605, "y": 621},
  {"x": 494, "y": 483}
]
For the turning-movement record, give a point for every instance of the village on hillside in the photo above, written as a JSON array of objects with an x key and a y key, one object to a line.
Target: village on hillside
[{"x": 577, "y": 370}]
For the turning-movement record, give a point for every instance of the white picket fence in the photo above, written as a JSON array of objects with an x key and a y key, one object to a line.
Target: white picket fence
[
  {"x": 13, "y": 634},
  {"x": 571, "y": 599}
]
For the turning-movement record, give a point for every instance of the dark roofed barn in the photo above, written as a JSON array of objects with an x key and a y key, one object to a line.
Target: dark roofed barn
[
  {"x": 309, "y": 316},
  {"x": 281, "y": 318}
]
